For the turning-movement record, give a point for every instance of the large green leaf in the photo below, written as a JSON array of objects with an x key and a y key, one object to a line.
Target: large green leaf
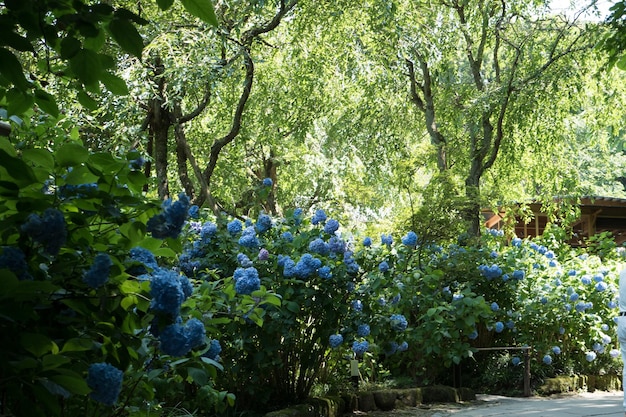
[
  {"x": 126, "y": 36},
  {"x": 202, "y": 9},
  {"x": 71, "y": 154},
  {"x": 11, "y": 68},
  {"x": 86, "y": 66},
  {"x": 114, "y": 84},
  {"x": 47, "y": 103},
  {"x": 39, "y": 157},
  {"x": 16, "y": 169},
  {"x": 165, "y": 4},
  {"x": 19, "y": 101}
]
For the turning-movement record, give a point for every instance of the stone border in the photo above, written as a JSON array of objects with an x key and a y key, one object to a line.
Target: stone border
[{"x": 383, "y": 400}]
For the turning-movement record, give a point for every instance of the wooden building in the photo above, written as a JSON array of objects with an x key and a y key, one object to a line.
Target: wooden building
[{"x": 597, "y": 215}]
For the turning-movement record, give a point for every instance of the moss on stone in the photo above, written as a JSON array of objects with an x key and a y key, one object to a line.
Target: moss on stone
[
  {"x": 439, "y": 394},
  {"x": 385, "y": 400},
  {"x": 366, "y": 402}
]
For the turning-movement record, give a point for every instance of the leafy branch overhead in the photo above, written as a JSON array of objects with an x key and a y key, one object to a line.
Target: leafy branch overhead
[{"x": 68, "y": 40}]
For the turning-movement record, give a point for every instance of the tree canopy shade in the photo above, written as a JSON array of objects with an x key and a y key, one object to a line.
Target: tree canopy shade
[
  {"x": 615, "y": 41},
  {"x": 68, "y": 39}
]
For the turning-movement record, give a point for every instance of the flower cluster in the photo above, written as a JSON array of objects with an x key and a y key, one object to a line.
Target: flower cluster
[
  {"x": 398, "y": 322},
  {"x": 246, "y": 280},
  {"x": 178, "y": 340},
  {"x": 170, "y": 221},
  {"x": 48, "y": 230},
  {"x": 14, "y": 260},
  {"x": 98, "y": 274},
  {"x": 490, "y": 272},
  {"x": 105, "y": 381}
]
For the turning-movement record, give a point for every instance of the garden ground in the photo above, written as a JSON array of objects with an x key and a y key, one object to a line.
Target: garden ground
[{"x": 599, "y": 403}]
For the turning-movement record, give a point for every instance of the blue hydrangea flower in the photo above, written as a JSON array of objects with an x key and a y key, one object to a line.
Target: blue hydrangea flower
[
  {"x": 174, "y": 341},
  {"x": 396, "y": 299},
  {"x": 518, "y": 275},
  {"x": 391, "y": 348},
  {"x": 267, "y": 182},
  {"x": 48, "y": 229},
  {"x": 614, "y": 353},
  {"x": 319, "y": 246},
  {"x": 136, "y": 164},
  {"x": 246, "y": 280},
  {"x": 14, "y": 260},
  {"x": 597, "y": 347},
  {"x": 398, "y": 322},
  {"x": 307, "y": 266},
  {"x": 99, "y": 271},
  {"x": 170, "y": 221},
  {"x": 473, "y": 335},
  {"x": 556, "y": 350},
  {"x": 289, "y": 267},
  {"x": 410, "y": 239},
  {"x": 325, "y": 272},
  {"x": 215, "y": 348},
  {"x": 264, "y": 254},
  {"x": 547, "y": 359},
  {"x": 352, "y": 267},
  {"x": 403, "y": 347},
  {"x": 194, "y": 332},
  {"x": 263, "y": 223},
  {"x": 517, "y": 242},
  {"x": 234, "y": 227},
  {"x": 248, "y": 238},
  {"x": 143, "y": 256},
  {"x": 105, "y": 381},
  {"x": 605, "y": 327},
  {"x": 367, "y": 242},
  {"x": 363, "y": 330},
  {"x": 243, "y": 260},
  {"x": 319, "y": 217},
  {"x": 331, "y": 226},
  {"x": 499, "y": 327},
  {"x": 186, "y": 286},
  {"x": 386, "y": 239},
  {"x": 166, "y": 291},
  {"x": 510, "y": 324},
  {"x": 585, "y": 279},
  {"x": 335, "y": 340},
  {"x": 336, "y": 245},
  {"x": 573, "y": 297},
  {"x": 383, "y": 266},
  {"x": 287, "y": 236},
  {"x": 359, "y": 348},
  {"x": 515, "y": 360},
  {"x": 601, "y": 286},
  {"x": 490, "y": 272},
  {"x": 357, "y": 305},
  {"x": 495, "y": 306},
  {"x": 590, "y": 356},
  {"x": 194, "y": 212}
]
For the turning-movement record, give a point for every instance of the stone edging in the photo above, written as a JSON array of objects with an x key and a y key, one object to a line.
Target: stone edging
[{"x": 384, "y": 400}]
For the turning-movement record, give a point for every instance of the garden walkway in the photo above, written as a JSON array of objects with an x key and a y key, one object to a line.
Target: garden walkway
[{"x": 600, "y": 404}]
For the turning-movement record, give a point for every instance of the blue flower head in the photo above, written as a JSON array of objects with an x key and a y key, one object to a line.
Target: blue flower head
[
  {"x": 383, "y": 266},
  {"x": 357, "y": 305},
  {"x": 386, "y": 239},
  {"x": 319, "y": 217},
  {"x": 403, "y": 347},
  {"x": 556, "y": 350},
  {"x": 325, "y": 272},
  {"x": 398, "y": 322},
  {"x": 359, "y": 348},
  {"x": 515, "y": 360},
  {"x": 166, "y": 291},
  {"x": 243, "y": 260},
  {"x": 307, "y": 266},
  {"x": 98, "y": 273},
  {"x": 246, "y": 280},
  {"x": 48, "y": 229},
  {"x": 590, "y": 356},
  {"x": 547, "y": 359},
  {"x": 319, "y": 246},
  {"x": 336, "y": 245},
  {"x": 601, "y": 286},
  {"x": 186, "y": 286},
  {"x": 248, "y": 238},
  {"x": 14, "y": 260},
  {"x": 105, "y": 381},
  {"x": 289, "y": 267},
  {"x": 143, "y": 256},
  {"x": 287, "y": 236},
  {"x": 263, "y": 223},
  {"x": 267, "y": 182},
  {"x": 363, "y": 330},
  {"x": 499, "y": 327},
  {"x": 234, "y": 227},
  {"x": 516, "y": 242},
  {"x": 367, "y": 242},
  {"x": 170, "y": 221},
  {"x": 174, "y": 341},
  {"x": 194, "y": 212},
  {"x": 410, "y": 239},
  {"x": 264, "y": 254},
  {"x": 331, "y": 226},
  {"x": 214, "y": 350},
  {"x": 335, "y": 340},
  {"x": 495, "y": 306},
  {"x": 194, "y": 333}
]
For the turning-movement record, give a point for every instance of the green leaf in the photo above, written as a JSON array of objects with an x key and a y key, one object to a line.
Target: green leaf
[
  {"x": 19, "y": 101},
  {"x": 47, "y": 103},
  {"x": 198, "y": 376},
  {"x": 71, "y": 154},
  {"x": 114, "y": 84},
  {"x": 15, "y": 41},
  {"x": 73, "y": 384},
  {"x": 202, "y": 9},
  {"x": 54, "y": 361},
  {"x": 37, "y": 344},
  {"x": 128, "y": 302},
  {"x": 16, "y": 169},
  {"x": 80, "y": 175},
  {"x": 165, "y": 4},
  {"x": 86, "y": 65},
  {"x": 11, "y": 68},
  {"x": 126, "y": 36},
  {"x": 77, "y": 344},
  {"x": 39, "y": 158},
  {"x": 86, "y": 101},
  {"x": 69, "y": 47}
]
